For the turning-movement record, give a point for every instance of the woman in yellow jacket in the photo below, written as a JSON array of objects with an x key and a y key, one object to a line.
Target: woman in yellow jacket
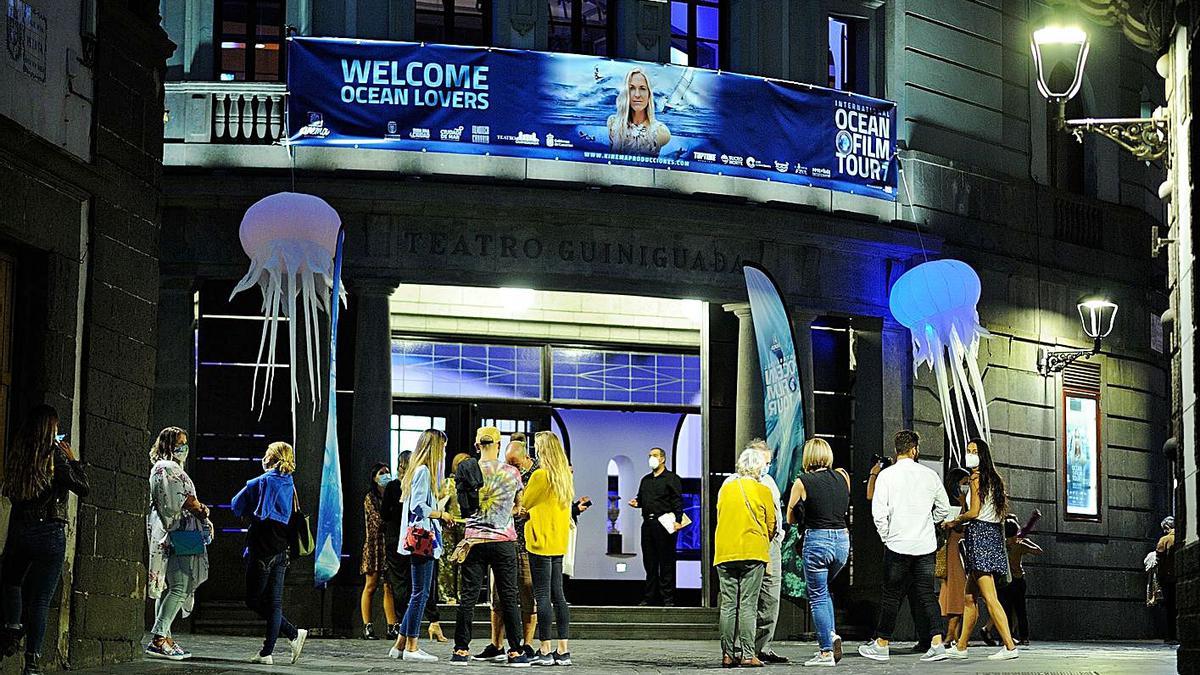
[
  {"x": 547, "y": 498},
  {"x": 745, "y": 526}
]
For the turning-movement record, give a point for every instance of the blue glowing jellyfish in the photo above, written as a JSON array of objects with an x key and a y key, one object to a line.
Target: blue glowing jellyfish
[{"x": 937, "y": 301}]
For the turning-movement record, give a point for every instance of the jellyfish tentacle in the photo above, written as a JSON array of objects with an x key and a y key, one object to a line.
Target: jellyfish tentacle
[
  {"x": 959, "y": 353},
  {"x": 943, "y": 388},
  {"x": 312, "y": 347},
  {"x": 959, "y": 439},
  {"x": 272, "y": 358},
  {"x": 262, "y": 343},
  {"x": 977, "y": 387}
]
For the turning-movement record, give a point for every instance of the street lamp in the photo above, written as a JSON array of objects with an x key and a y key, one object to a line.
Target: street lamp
[
  {"x": 1145, "y": 137},
  {"x": 1097, "y": 317}
]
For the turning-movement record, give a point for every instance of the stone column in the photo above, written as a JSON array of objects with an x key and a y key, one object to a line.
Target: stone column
[
  {"x": 175, "y": 380},
  {"x": 802, "y": 333},
  {"x": 370, "y": 436},
  {"x": 749, "y": 422}
]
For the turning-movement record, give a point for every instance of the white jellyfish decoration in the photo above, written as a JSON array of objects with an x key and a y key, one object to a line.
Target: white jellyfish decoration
[
  {"x": 291, "y": 239},
  {"x": 937, "y": 302}
]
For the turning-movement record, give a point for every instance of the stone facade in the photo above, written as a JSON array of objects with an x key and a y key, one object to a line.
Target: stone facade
[
  {"x": 84, "y": 230},
  {"x": 976, "y": 174}
]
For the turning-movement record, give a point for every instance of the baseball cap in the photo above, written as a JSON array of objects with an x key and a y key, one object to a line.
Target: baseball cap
[{"x": 487, "y": 435}]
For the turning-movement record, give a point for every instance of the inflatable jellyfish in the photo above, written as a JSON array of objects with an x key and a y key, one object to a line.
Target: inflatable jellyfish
[
  {"x": 291, "y": 239},
  {"x": 937, "y": 301}
]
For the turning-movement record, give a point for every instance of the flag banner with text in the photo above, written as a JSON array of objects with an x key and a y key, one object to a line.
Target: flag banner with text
[
  {"x": 783, "y": 405},
  {"x": 539, "y": 105}
]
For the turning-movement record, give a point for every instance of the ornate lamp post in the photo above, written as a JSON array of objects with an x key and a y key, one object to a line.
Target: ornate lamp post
[
  {"x": 1144, "y": 137},
  {"x": 1097, "y": 317}
]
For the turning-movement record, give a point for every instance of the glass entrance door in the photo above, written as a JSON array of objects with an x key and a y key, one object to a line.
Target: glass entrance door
[
  {"x": 512, "y": 418},
  {"x": 410, "y": 419}
]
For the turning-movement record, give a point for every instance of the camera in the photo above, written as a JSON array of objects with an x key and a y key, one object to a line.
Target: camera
[{"x": 883, "y": 461}]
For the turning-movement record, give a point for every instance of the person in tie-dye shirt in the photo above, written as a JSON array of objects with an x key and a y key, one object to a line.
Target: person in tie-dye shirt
[{"x": 490, "y": 527}]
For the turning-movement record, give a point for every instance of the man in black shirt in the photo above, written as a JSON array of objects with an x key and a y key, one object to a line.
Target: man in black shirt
[{"x": 660, "y": 492}]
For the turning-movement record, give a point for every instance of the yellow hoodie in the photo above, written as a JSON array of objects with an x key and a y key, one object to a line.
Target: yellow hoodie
[{"x": 549, "y": 525}]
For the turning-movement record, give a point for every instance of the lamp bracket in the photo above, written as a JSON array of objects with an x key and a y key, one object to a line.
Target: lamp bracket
[
  {"x": 1147, "y": 138},
  {"x": 1050, "y": 362},
  {"x": 1157, "y": 243}
]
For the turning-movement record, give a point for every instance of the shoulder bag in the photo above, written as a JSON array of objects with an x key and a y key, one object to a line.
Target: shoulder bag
[{"x": 300, "y": 537}]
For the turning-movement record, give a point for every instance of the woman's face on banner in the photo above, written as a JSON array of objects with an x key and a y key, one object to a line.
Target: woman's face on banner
[{"x": 639, "y": 93}]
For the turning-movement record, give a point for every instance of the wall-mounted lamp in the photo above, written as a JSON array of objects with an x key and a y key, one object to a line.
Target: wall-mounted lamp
[
  {"x": 1097, "y": 317},
  {"x": 1145, "y": 137}
]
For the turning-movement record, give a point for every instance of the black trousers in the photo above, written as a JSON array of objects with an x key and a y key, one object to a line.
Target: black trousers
[
  {"x": 398, "y": 573},
  {"x": 1012, "y": 599},
  {"x": 501, "y": 557},
  {"x": 900, "y": 573},
  {"x": 658, "y": 557}
]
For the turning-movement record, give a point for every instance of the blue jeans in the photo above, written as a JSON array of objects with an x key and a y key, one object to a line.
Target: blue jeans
[
  {"x": 264, "y": 595},
  {"x": 825, "y": 553},
  {"x": 422, "y": 572},
  {"x": 33, "y": 561}
]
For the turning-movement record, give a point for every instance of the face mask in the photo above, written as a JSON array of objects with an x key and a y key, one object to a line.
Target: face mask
[
  {"x": 180, "y": 453},
  {"x": 654, "y": 462},
  {"x": 972, "y": 461},
  {"x": 383, "y": 479},
  {"x": 964, "y": 490},
  {"x": 266, "y": 465},
  {"x": 766, "y": 471}
]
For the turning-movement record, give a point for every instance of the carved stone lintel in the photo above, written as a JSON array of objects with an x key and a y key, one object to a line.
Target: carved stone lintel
[{"x": 1146, "y": 138}]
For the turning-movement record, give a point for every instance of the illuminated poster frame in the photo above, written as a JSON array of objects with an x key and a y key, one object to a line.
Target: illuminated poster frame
[{"x": 1082, "y": 447}]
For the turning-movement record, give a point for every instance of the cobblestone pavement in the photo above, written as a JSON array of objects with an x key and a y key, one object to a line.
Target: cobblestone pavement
[{"x": 215, "y": 654}]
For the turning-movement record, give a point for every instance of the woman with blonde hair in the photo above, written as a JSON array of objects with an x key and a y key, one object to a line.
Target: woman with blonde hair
[
  {"x": 178, "y": 532},
  {"x": 819, "y": 500},
  {"x": 633, "y": 129},
  {"x": 268, "y": 502},
  {"x": 548, "y": 499},
  {"x": 39, "y": 471},
  {"x": 421, "y": 537},
  {"x": 745, "y": 526}
]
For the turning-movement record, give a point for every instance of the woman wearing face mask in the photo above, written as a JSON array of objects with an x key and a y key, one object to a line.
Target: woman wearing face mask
[
  {"x": 374, "y": 555},
  {"x": 268, "y": 502},
  {"x": 819, "y": 501},
  {"x": 953, "y": 596},
  {"x": 179, "y": 533},
  {"x": 986, "y": 557},
  {"x": 39, "y": 471}
]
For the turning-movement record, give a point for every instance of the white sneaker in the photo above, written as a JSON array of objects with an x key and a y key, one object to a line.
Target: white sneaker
[
  {"x": 297, "y": 645},
  {"x": 873, "y": 651},
  {"x": 935, "y": 653},
  {"x": 393, "y": 653},
  {"x": 1004, "y": 654},
  {"x": 953, "y": 652},
  {"x": 265, "y": 660},
  {"x": 821, "y": 661},
  {"x": 419, "y": 655}
]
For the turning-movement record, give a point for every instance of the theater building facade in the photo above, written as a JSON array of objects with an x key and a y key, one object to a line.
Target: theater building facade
[{"x": 608, "y": 302}]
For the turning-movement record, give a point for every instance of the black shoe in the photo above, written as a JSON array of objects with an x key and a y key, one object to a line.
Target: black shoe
[
  {"x": 988, "y": 638},
  {"x": 921, "y": 647},
  {"x": 528, "y": 651},
  {"x": 393, "y": 631},
  {"x": 491, "y": 653},
  {"x": 771, "y": 657},
  {"x": 369, "y": 632},
  {"x": 31, "y": 665},
  {"x": 10, "y": 641}
]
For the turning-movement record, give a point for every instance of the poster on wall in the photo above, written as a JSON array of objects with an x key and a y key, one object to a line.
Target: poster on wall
[
  {"x": 573, "y": 107},
  {"x": 1081, "y": 450}
]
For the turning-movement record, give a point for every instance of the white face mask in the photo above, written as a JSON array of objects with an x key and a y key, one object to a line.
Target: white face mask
[
  {"x": 766, "y": 471},
  {"x": 266, "y": 465},
  {"x": 972, "y": 461},
  {"x": 654, "y": 463}
]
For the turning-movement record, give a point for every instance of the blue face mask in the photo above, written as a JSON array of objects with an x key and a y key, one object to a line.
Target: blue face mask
[
  {"x": 766, "y": 471},
  {"x": 180, "y": 453},
  {"x": 383, "y": 479}
]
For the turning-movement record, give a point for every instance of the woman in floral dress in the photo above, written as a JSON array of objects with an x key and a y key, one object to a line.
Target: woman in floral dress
[
  {"x": 374, "y": 554},
  {"x": 173, "y": 574}
]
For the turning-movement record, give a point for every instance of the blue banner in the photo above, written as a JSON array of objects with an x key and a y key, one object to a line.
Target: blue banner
[
  {"x": 329, "y": 520},
  {"x": 470, "y": 100},
  {"x": 783, "y": 402}
]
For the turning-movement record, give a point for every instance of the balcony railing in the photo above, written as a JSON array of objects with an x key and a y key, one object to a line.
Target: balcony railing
[{"x": 237, "y": 113}]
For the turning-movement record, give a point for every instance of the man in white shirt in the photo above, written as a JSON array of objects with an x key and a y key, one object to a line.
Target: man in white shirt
[{"x": 908, "y": 504}]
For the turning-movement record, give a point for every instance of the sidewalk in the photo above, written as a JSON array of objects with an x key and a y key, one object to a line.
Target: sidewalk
[{"x": 216, "y": 654}]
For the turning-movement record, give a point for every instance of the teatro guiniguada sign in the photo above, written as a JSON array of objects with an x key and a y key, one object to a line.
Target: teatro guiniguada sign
[{"x": 467, "y": 100}]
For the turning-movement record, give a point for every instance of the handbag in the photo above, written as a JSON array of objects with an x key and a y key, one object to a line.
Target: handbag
[
  {"x": 187, "y": 542},
  {"x": 300, "y": 537},
  {"x": 939, "y": 563}
]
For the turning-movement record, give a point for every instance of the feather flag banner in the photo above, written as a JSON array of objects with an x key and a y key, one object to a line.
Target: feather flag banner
[{"x": 329, "y": 521}]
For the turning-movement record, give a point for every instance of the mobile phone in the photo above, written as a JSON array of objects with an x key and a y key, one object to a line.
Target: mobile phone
[
  {"x": 585, "y": 502},
  {"x": 58, "y": 438}
]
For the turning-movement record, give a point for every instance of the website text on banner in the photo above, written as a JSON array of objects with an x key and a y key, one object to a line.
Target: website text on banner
[{"x": 469, "y": 100}]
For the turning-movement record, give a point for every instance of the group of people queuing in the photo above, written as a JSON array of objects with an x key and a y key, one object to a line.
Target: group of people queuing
[{"x": 975, "y": 547}]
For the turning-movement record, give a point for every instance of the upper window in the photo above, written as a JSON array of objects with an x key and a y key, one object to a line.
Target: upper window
[
  {"x": 849, "y": 60},
  {"x": 696, "y": 33},
  {"x": 250, "y": 40},
  {"x": 455, "y": 22},
  {"x": 580, "y": 27}
]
